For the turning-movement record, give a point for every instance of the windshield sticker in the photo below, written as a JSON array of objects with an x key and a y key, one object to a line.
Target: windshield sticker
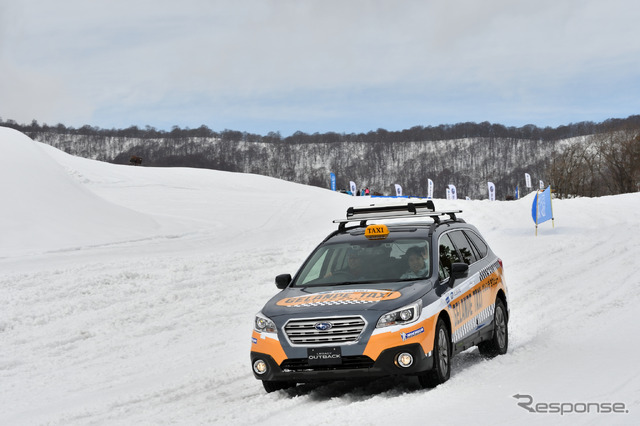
[{"x": 339, "y": 298}]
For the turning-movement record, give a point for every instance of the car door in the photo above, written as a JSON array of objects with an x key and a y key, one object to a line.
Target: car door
[{"x": 465, "y": 299}]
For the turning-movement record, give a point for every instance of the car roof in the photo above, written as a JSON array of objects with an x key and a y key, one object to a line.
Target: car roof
[
  {"x": 357, "y": 233},
  {"x": 389, "y": 212},
  {"x": 414, "y": 217}
]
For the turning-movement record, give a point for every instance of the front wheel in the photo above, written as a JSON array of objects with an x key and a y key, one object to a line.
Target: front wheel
[
  {"x": 500, "y": 340},
  {"x": 441, "y": 358}
]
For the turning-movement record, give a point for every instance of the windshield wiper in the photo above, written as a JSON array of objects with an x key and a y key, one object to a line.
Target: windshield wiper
[{"x": 346, "y": 283}]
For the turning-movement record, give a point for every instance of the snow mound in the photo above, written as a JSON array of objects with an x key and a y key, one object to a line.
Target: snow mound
[
  {"x": 157, "y": 331},
  {"x": 44, "y": 209}
]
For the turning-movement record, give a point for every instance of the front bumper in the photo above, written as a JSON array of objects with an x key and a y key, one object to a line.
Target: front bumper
[{"x": 297, "y": 370}]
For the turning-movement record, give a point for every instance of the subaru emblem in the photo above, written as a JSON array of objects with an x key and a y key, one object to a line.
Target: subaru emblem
[{"x": 323, "y": 326}]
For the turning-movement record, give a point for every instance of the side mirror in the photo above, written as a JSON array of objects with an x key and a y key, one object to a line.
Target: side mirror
[
  {"x": 283, "y": 280},
  {"x": 458, "y": 270}
]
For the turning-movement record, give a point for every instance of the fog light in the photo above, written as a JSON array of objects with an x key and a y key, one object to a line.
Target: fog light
[
  {"x": 260, "y": 367},
  {"x": 404, "y": 360}
]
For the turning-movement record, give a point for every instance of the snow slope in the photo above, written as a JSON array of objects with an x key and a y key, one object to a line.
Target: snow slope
[
  {"x": 45, "y": 208},
  {"x": 128, "y": 296}
]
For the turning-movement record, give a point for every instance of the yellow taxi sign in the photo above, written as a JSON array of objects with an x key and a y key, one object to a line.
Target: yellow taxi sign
[{"x": 376, "y": 232}]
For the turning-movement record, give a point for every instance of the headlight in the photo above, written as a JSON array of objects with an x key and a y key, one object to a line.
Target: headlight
[
  {"x": 404, "y": 315},
  {"x": 263, "y": 323}
]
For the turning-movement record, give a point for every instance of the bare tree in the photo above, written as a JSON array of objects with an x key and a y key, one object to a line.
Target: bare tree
[{"x": 620, "y": 155}]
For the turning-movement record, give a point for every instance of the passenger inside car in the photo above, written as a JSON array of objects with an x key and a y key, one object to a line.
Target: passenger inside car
[{"x": 418, "y": 260}]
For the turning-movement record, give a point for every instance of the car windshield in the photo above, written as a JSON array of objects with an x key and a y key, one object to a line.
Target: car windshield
[{"x": 366, "y": 262}]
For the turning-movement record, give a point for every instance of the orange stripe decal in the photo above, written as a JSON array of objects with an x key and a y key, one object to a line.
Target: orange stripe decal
[
  {"x": 381, "y": 341},
  {"x": 339, "y": 297},
  {"x": 267, "y": 346}
]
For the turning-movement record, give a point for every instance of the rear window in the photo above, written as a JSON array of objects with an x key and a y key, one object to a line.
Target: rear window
[
  {"x": 464, "y": 246},
  {"x": 482, "y": 247}
]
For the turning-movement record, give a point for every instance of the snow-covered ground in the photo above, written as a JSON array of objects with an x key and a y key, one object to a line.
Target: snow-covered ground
[{"x": 127, "y": 296}]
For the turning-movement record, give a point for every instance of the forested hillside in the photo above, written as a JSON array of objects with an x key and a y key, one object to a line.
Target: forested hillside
[{"x": 572, "y": 158}]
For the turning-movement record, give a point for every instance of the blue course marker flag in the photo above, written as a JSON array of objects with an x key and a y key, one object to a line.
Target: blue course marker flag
[{"x": 541, "y": 210}]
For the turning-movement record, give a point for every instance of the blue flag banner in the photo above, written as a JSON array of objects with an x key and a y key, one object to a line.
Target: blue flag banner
[
  {"x": 492, "y": 191},
  {"x": 454, "y": 194},
  {"x": 333, "y": 181},
  {"x": 541, "y": 210}
]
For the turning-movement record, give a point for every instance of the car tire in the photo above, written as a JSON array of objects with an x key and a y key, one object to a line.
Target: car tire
[
  {"x": 272, "y": 386},
  {"x": 499, "y": 342},
  {"x": 441, "y": 358}
]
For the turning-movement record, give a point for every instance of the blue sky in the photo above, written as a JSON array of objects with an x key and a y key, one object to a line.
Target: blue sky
[{"x": 318, "y": 65}]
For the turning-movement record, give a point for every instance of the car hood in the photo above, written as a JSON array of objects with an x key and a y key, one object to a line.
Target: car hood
[{"x": 345, "y": 299}]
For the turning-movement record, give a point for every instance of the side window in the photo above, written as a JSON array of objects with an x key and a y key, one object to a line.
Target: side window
[
  {"x": 448, "y": 253},
  {"x": 482, "y": 247},
  {"x": 443, "y": 273},
  {"x": 473, "y": 248},
  {"x": 464, "y": 246}
]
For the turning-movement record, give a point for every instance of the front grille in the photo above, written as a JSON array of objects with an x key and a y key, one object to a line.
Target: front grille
[
  {"x": 343, "y": 330},
  {"x": 348, "y": 362}
]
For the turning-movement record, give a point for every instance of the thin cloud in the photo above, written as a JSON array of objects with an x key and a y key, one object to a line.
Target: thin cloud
[{"x": 272, "y": 65}]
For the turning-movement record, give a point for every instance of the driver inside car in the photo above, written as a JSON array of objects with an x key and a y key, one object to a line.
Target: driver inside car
[{"x": 354, "y": 266}]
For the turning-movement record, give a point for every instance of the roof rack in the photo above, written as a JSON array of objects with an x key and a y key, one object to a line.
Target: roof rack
[{"x": 394, "y": 211}]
